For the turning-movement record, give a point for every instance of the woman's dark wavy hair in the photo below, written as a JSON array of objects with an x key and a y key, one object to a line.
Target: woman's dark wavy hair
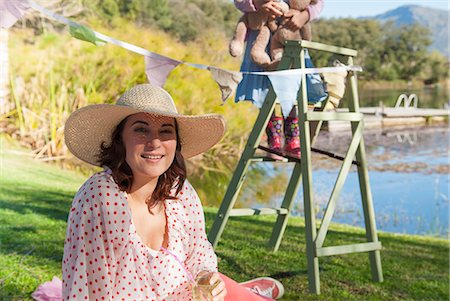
[{"x": 113, "y": 156}]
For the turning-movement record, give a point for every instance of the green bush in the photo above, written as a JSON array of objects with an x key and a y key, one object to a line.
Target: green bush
[{"x": 110, "y": 8}]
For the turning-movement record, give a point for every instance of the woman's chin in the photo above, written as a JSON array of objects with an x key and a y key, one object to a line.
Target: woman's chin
[{"x": 150, "y": 173}]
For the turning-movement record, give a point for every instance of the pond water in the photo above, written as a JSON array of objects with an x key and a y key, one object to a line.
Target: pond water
[
  {"x": 431, "y": 97},
  {"x": 409, "y": 177}
]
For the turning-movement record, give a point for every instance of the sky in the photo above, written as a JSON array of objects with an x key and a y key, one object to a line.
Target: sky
[{"x": 369, "y": 8}]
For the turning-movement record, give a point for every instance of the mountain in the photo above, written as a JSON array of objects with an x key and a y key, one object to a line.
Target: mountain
[{"x": 437, "y": 20}]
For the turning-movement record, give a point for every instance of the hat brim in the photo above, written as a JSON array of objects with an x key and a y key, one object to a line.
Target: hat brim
[{"x": 87, "y": 128}]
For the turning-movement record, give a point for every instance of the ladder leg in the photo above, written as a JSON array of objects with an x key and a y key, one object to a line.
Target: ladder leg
[
  {"x": 366, "y": 193},
  {"x": 310, "y": 215},
  {"x": 241, "y": 170},
  {"x": 369, "y": 215},
  {"x": 288, "y": 202},
  {"x": 239, "y": 174}
]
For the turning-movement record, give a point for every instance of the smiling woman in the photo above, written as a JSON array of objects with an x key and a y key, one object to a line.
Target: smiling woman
[
  {"x": 148, "y": 145},
  {"x": 136, "y": 230}
]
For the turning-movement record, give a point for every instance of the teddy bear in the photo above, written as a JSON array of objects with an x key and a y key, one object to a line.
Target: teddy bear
[
  {"x": 283, "y": 34},
  {"x": 259, "y": 20}
]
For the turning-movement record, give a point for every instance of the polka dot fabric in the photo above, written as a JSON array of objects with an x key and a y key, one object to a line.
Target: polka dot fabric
[{"x": 105, "y": 259}]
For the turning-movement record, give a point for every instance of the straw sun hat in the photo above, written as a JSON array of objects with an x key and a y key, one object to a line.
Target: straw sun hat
[{"x": 88, "y": 127}]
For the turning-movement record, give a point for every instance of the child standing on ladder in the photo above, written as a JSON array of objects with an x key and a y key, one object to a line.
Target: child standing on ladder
[{"x": 255, "y": 87}]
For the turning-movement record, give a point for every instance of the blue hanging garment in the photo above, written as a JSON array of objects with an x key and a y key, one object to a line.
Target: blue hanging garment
[{"x": 314, "y": 84}]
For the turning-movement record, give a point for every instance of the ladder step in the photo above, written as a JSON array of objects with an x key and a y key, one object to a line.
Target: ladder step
[
  {"x": 346, "y": 249},
  {"x": 334, "y": 156},
  {"x": 293, "y": 159},
  {"x": 266, "y": 159},
  {"x": 281, "y": 154},
  {"x": 258, "y": 211},
  {"x": 327, "y": 116}
]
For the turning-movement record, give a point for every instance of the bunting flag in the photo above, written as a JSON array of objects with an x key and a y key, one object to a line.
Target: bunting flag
[
  {"x": 158, "y": 68},
  {"x": 226, "y": 80},
  {"x": 85, "y": 34},
  {"x": 286, "y": 88},
  {"x": 11, "y": 11}
]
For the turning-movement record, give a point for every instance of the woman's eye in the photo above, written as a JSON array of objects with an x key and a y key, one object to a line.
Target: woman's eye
[
  {"x": 141, "y": 130},
  {"x": 166, "y": 130}
]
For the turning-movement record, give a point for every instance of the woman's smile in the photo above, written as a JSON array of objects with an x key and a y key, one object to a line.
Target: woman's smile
[{"x": 151, "y": 157}]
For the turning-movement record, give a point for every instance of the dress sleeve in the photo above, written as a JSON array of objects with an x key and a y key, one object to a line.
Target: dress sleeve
[
  {"x": 201, "y": 256},
  {"x": 97, "y": 232},
  {"x": 245, "y": 6},
  {"x": 315, "y": 10}
]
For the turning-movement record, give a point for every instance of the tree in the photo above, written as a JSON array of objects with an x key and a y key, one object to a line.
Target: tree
[
  {"x": 384, "y": 50},
  {"x": 436, "y": 69},
  {"x": 405, "y": 49},
  {"x": 366, "y": 36}
]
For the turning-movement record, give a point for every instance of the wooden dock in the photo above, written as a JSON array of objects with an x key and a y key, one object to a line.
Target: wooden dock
[{"x": 381, "y": 117}]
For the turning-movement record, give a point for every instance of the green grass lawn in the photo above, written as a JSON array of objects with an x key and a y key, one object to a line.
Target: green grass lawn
[{"x": 35, "y": 199}]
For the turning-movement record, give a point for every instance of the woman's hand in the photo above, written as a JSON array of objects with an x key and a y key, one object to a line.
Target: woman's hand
[
  {"x": 219, "y": 292},
  {"x": 272, "y": 8},
  {"x": 210, "y": 280},
  {"x": 295, "y": 19}
]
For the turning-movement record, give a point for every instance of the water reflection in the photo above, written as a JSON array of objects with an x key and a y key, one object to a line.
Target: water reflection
[
  {"x": 430, "y": 97},
  {"x": 407, "y": 137},
  {"x": 409, "y": 175}
]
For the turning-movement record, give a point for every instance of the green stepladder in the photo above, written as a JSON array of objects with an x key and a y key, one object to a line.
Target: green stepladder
[{"x": 294, "y": 57}]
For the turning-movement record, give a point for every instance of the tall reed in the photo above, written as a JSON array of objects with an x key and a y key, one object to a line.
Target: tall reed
[{"x": 18, "y": 109}]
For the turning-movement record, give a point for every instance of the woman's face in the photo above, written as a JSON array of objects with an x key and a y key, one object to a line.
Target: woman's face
[{"x": 150, "y": 143}]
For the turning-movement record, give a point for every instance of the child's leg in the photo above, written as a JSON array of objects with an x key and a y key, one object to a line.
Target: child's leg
[{"x": 237, "y": 292}]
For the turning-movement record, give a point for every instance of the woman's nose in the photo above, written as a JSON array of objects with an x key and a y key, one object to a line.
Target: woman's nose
[{"x": 153, "y": 142}]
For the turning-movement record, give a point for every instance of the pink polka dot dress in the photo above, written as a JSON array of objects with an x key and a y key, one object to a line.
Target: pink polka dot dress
[{"x": 105, "y": 259}]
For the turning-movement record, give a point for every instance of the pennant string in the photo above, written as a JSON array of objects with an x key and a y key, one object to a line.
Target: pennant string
[
  {"x": 145, "y": 52},
  {"x": 301, "y": 71},
  {"x": 198, "y": 66}
]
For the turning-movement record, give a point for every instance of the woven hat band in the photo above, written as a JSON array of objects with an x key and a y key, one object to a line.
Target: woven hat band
[{"x": 148, "y": 98}]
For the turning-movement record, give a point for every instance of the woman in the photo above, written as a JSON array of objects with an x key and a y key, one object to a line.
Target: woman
[{"x": 136, "y": 229}]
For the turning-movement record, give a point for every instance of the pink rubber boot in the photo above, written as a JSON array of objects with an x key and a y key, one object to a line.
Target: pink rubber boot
[
  {"x": 291, "y": 135},
  {"x": 274, "y": 134}
]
